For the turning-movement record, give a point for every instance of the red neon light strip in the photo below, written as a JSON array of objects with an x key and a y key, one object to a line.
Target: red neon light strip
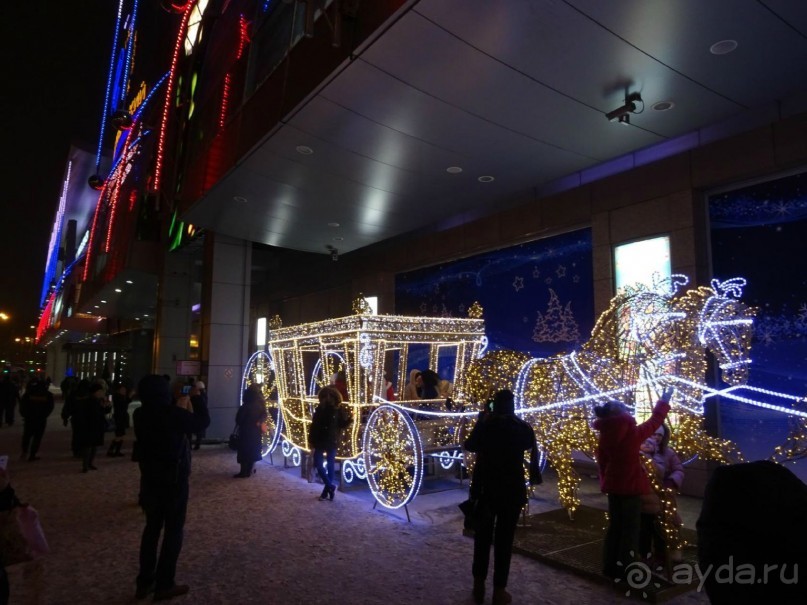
[
  {"x": 44, "y": 321},
  {"x": 243, "y": 36},
  {"x": 169, "y": 95},
  {"x": 118, "y": 177},
  {"x": 225, "y": 100}
]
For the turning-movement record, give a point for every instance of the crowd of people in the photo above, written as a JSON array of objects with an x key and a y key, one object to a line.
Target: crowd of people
[{"x": 172, "y": 418}]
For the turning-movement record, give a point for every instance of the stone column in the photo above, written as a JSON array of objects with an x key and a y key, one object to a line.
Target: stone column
[
  {"x": 173, "y": 329},
  {"x": 225, "y": 326}
]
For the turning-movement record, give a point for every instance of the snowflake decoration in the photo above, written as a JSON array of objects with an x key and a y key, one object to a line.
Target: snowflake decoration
[
  {"x": 576, "y": 279},
  {"x": 560, "y": 271},
  {"x": 518, "y": 283},
  {"x": 536, "y": 273},
  {"x": 424, "y": 308},
  {"x": 548, "y": 281}
]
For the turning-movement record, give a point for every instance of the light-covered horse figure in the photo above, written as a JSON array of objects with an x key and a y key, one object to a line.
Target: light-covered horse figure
[{"x": 646, "y": 339}]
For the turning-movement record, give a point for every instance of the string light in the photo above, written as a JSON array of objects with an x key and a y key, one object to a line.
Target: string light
[
  {"x": 646, "y": 338},
  {"x": 55, "y": 237},
  {"x": 169, "y": 93},
  {"x": 105, "y": 111}
]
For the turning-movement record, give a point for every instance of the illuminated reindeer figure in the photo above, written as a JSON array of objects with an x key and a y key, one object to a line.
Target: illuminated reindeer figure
[{"x": 646, "y": 338}]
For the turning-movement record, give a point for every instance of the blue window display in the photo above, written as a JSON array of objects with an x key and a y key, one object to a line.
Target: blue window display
[
  {"x": 758, "y": 232},
  {"x": 537, "y": 297}
]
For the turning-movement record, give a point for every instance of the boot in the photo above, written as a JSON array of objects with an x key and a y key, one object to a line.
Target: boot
[
  {"x": 111, "y": 451},
  {"x": 479, "y": 590},
  {"x": 501, "y": 596},
  {"x": 118, "y": 446}
]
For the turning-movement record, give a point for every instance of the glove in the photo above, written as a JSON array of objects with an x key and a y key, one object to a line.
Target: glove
[{"x": 667, "y": 394}]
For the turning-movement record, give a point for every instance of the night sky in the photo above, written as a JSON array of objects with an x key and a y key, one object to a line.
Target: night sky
[{"x": 54, "y": 60}]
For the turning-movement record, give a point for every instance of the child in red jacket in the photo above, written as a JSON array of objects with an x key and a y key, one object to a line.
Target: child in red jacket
[{"x": 623, "y": 478}]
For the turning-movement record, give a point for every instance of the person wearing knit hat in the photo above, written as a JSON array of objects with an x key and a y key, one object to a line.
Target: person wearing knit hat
[{"x": 623, "y": 478}]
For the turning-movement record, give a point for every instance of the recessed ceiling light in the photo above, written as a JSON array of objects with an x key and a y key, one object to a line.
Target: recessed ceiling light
[
  {"x": 137, "y": 319},
  {"x": 145, "y": 314},
  {"x": 723, "y": 47},
  {"x": 333, "y": 224},
  {"x": 240, "y": 199},
  {"x": 304, "y": 149},
  {"x": 663, "y": 105},
  {"x": 129, "y": 281},
  {"x": 338, "y": 239},
  {"x": 453, "y": 170},
  {"x": 96, "y": 306},
  {"x": 118, "y": 290},
  {"x": 103, "y": 302},
  {"x": 486, "y": 179}
]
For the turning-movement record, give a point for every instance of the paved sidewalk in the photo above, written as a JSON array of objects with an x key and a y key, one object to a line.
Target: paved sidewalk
[{"x": 265, "y": 540}]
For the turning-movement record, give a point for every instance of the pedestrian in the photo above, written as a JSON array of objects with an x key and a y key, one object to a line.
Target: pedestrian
[
  {"x": 670, "y": 474},
  {"x": 90, "y": 424},
  {"x": 623, "y": 478},
  {"x": 198, "y": 396},
  {"x": 752, "y": 531},
  {"x": 430, "y": 380},
  {"x": 340, "y": 384},
  {"x": 121, "y": 398},
  {"x": 251, "y": 419},
  {"x": 75, "y": 400},
  {"x": 329, "y": 418},
  {"x": 35, "y": 407},
  {"x": 161, "y": 429},
  {"x": 499, "y": 439},
  {"x": 9, "y": 398},
  {"x": 413, "y": 388}
]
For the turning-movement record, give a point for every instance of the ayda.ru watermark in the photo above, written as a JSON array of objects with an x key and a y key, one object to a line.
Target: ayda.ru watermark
[{"x": 639, "y": 576}]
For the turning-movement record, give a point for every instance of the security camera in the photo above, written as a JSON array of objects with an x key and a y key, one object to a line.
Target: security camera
[{"x": 621, "y": 113}]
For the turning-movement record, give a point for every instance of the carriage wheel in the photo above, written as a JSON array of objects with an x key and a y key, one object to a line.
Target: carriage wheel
[
  {"x": 260, "y": 370},
  {"x": 393, "y": 456}
]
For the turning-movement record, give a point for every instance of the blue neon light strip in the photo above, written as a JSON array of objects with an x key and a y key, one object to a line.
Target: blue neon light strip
[
  {"x": 130, "y": 47},
  {"x": 105, "y": 113}
]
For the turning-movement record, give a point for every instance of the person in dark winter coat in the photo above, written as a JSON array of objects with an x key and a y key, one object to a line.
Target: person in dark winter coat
[
  {"x": 90, "y": 420},
  {"x": 499, "y": 438},
  {"x": 161, "y": 429},
  {"x": 752, "y": 532},
  {"x": 250, "y": 419},
  {"x": 9, "y": 398},
  {"x": 329, "y": 418},
  {"x": 623, "y": 477},
  {"x": 75, "y": 400},
  {"x": 198, "y": 396},
  {"x": 35, "y": 407},
  {"x": 120, "y": 414}
]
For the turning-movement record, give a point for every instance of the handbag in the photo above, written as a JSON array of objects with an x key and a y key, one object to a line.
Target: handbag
[
  {"x": 475, "y": 509},
  {"x": 235, "y": 438},
  {"x": 21, "y": 535}
]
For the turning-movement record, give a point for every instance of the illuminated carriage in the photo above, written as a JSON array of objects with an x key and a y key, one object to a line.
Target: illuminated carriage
[{"x": 386, "y": 443}]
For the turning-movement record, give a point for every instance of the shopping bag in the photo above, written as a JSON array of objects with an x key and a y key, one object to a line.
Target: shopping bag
[{"x": 21, "y": 535}]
